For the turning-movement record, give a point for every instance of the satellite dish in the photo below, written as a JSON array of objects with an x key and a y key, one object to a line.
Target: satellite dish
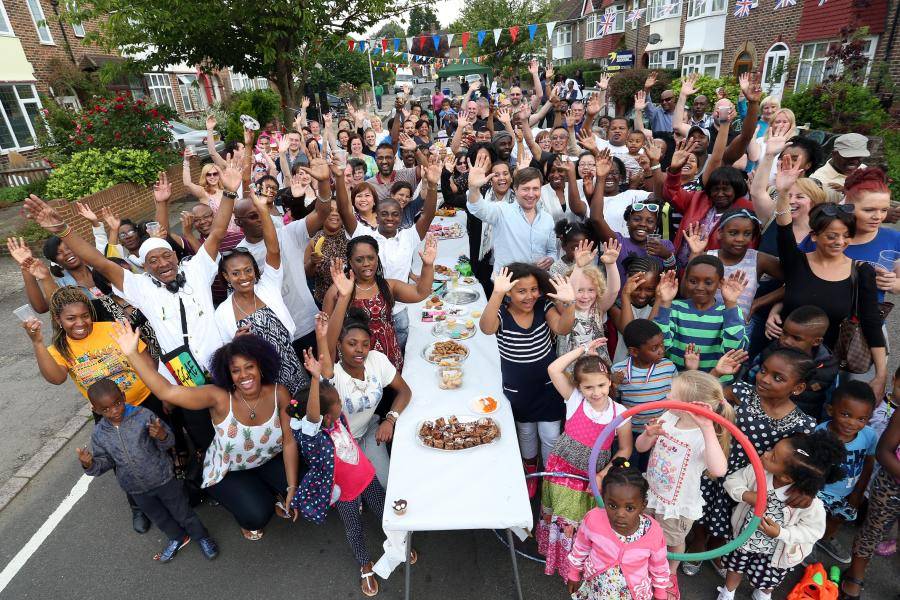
[{"x": 654, "y": 38}]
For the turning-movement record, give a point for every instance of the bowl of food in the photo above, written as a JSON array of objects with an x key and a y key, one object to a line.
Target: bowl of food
[{"x": 450, "y": 375}]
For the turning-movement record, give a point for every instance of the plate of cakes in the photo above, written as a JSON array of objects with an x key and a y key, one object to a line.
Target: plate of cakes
[{"x": 454, "y": 433}]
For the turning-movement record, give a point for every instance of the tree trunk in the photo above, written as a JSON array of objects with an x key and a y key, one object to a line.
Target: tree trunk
[{"x": 290, "y": 99}]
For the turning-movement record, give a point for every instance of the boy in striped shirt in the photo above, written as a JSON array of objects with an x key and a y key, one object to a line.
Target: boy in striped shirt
[
  {"x": 712, "y": 327},
  {"x": 646, "y": 374}
]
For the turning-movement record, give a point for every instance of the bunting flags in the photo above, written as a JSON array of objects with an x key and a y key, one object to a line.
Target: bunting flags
[
  {"x": 481, "y": 35},
  {"x": 350, "y": 44},
  {"x": 437, "y": 42},
  {"x": 450, "y": 40},
  {"x": 514, "y": 32},
  {"x": 422, "y": 42},
  {"x": 409, "y": 44},
  {"x": 785, "y": 3},
  {"x": 742, "y": 8},
  {"x": 465, "y": 39},
  {"x": 532, "y": 29},
  {"x": 607, "y": 21},
  {"x": 635, "y": 15},
  {"x": 396, "y": 44},
  {"x": 497, "y": 33},
  {"x": 550, "y": 27}
]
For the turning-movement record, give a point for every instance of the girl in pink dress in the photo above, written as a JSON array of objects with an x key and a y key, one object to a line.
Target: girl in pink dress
[{"x": 589, "y": 409}]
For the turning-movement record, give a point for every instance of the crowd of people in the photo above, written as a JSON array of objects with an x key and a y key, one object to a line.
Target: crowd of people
[{"x": 255, "y": 358}]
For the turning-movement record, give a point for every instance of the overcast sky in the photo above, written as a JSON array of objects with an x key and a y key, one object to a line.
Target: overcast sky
[{"x": 447, "y": 12}]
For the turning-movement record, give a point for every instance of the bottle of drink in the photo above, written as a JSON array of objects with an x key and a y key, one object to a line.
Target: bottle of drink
[{"x": 834, "y": 574}]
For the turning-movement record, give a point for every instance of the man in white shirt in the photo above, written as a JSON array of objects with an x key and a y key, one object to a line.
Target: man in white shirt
[{"x": 176, "y": 299}]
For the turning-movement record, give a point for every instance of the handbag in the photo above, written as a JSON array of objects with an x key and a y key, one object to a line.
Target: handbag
[
  {"x": 852, "y": 350},
  {"x": 181, "y": 362}
]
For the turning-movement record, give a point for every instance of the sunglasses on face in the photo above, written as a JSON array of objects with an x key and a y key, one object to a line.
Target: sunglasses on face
[
  {"x": 645, "y": 206},
  {"x": 831, "y": 209},
  {"x": 212, "y": 174}
]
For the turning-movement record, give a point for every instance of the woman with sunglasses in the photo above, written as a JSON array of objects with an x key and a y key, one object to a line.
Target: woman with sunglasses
[
  {"x": 825, "y": 276},
  {"x": 455, "y": 179},
  {"x": 209, "y": 190}
]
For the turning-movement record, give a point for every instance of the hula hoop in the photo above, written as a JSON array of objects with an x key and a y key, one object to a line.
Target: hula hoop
[{"x": 758, "y": 509}]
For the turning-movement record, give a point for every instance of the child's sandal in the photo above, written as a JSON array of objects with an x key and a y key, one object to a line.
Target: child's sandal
[
  {"x": 254, "y": 535},
  {"x": 368, "y": 584},
  {"x": 842, "y": 595}
]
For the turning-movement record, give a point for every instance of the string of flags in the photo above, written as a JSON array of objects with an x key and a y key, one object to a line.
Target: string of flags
[{"x": 416, "y": 45}]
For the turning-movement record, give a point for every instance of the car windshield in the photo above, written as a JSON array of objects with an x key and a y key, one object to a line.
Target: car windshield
[{"x": 180, "y": 128}]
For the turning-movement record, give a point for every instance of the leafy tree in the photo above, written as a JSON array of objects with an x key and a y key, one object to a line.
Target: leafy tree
[
  {"x": 490, "y": 14},
  {"x": 421, "y": 19},
  {"x": 391, "y": 29},
  {"x": 281, "y": 41}
]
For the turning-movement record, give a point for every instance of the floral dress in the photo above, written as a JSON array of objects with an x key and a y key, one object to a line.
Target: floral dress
[
  {"x": 764, "y": 432},
  {"x": 611, "y": 584},
  {"x": 381, "y": 323}
]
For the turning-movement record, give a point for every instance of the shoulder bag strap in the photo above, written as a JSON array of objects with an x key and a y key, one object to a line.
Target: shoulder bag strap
[
  {"x": 854, "y": 289},
  {"x": 183, "y": 320}
]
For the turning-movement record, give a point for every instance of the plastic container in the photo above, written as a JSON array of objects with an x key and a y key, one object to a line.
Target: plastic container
[{"x": 450, "y": 377}]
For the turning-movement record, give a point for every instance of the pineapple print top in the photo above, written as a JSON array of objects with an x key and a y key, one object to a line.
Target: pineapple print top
[{"x": 238, "y": 447}]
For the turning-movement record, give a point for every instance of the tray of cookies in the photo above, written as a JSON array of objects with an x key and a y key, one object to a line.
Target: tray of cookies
[{"x": 453, "y": 433}]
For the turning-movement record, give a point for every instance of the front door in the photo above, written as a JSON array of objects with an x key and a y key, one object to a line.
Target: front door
[{"x": 775, "y": 70}]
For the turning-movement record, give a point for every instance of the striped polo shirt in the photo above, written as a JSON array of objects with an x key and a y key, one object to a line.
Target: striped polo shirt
[
  {"x": 713, "y": 331},
  {"x": 641, "y": 386},
  {"x": 519, "y": 345}
]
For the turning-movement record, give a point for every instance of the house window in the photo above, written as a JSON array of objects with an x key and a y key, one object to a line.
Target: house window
[
  {"x": 743, "y": 64},
  {"x": 160, "y": 88},
  {"x": 20, "y": 113},
  {"x": 5, "y": 27},
  {"x": 663, "y": 9},
  {"x": 591, "y": 26},
  {"x": 78, "y": 28},
  {"x": 811, "y": 68},
  {"x": 40, "y": 22},
  {"x": 705, "y": 63},
  {"x": 187, "y": 86},
  {"x": 564, "y": 35},
  {"x": 577, "y": 32},
  {"x": 262, "y": 83},
  {"x": 619, "y": 23},
  {"x": 663, "y": 59},
  {"x": 216, "y": 84},
  {"x": 240, "y": 82},
  {"x": 705, "y": 8}
]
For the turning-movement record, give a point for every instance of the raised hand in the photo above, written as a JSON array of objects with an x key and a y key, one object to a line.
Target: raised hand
[
  {"x": 683, "y": 151},
  {"x": 564, "y": 290},
  {"x": 571, "y": 121},
  {"x": 787, "y": 175},
  {"x": 734, "y": 286},
  {"x": 428, "y": 254},
  {"x": 478, "y": 175},
  {"x": 592, "y": 346},
  {"x": 187, "y": 221},
  {"x": 33, "y": 327},
  {"x": 321, "y": 324},
  {"x": 650, "y": 81},
  {"x": 603, "y": 84},
  {"x": 85, "y": 211},
  {"x": 503, "y": 282},
  {"x": 126, "y": 337},
  {"x": 533, "y": 67},
  {"x": 778, "y": 139},
  {"x": 43, "y": 214},
  {"x": 450, "y": 163},
  {"x": 260, "y": 202},
  {"x": 667, "y": 289},
  {"x": 730, "y": 362},
  {"x": 696, "y": 239},
  {"x": 604, "y": 165},
  {"x": 640, "y": 100},
  {"x": 549, "y": 72},
  {"x": 611, "y": 249},
  {"x": 162, "y": 189},
  {"x": 585, "y": 138},
  {"x": 406, "y": 142},
  {"x": 19, "y": 250},
  {"x": 85, "y": 457},
  {"x": 156, "y": 430},
  {"x": 304, "y": 102},
  {"x": 318, "y": 169},
  {"x": 232, "y": 174},
  {"x": 688, "y": 84},
  {"x": 112, "y": 220},
  {"x": 585, "y": 253},
  {"x": 37, "y": 269},
  {"x": 691, "y": 358},
  {"x": 632, "y": 283},
  {"x": 312, "y": 364},
  {"x": 343, "y": 283},
  {"x": 657, "y": 248},
  {"x": 327, "y": 120},
  {"x": 504, "y": 115},
  {"x": 593, "y": 105},
  {"x": 210, "y": 122},
  {"x": 432, "y": 171},
  {"x": 652, "y": 152},
  {"x": 189, "y": 152}
]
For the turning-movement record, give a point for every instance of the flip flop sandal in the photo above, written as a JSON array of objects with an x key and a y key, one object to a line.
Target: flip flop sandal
[
  {"x": 254, "y": 535},
  {"x": 413, "y": 557},
  {"x": 842, "y": 595},
  {"x": 368, "y": 578}
]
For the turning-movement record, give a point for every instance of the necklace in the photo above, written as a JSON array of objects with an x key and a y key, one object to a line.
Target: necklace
[
  {"x": 362, "y": 289},
  {"x": 247, "y": 314},
  {"x": 252, "y": 409}
]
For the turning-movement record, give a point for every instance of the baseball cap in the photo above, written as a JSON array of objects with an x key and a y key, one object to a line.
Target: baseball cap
[
  {"x": 702, "y": 130},
  {"x": 852, "y": 145}
]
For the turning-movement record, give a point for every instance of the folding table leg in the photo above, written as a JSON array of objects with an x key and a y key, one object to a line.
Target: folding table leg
[
  {"x": 406, "y": 592},
  {"x": 515, "y": 562}
]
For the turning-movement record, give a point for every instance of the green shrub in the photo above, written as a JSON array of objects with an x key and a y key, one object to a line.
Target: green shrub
[
  {"x": 93, "y": 171},
  {"x": 839, "y": 106},
  {"x": 262, "y": 105},
  {"x": 708, "y": 86},
  {"x": 11, "y": 195},
  {"x": 568, "y": 70},
  {"x": 624, "y": 85},
  {"x": 31, "y": 232},
  {"x": 892, "y": 157}
]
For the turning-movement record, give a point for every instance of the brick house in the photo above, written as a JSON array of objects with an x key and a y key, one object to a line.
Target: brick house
[{"x": 567, "y": 40}]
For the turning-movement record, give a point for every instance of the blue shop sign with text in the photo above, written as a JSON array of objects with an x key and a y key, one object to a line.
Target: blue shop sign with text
[{"x": 616, "y": 61}]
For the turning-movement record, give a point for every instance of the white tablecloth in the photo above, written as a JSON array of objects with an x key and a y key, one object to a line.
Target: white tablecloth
[{"x": 477, "y": 488}]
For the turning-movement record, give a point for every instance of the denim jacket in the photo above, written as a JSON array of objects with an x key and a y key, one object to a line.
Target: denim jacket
[{"x": 141, "y": 462}]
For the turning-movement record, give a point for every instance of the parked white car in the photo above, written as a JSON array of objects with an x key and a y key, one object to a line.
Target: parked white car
[{"x": 186, "y": 136}]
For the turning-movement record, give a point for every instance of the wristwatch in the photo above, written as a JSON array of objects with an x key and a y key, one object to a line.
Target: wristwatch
[{"x": 394, "y": 414}]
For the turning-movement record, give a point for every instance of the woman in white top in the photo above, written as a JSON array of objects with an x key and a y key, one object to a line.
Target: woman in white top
[
  {"x": 360, "y": 378},
  {"x": 559, "y": 196},
  {"x": 256, "y": 305}
]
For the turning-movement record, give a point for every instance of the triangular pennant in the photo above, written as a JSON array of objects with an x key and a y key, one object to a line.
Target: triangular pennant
[
  {"x": 362, "y": 45},
  {"x": 437, "y": 42},
  {"x": 465, "y": 39},
  {"x": 421, "y": 43},
  {"x": 497, "y": 33},
  {"x": 450, "y": 40},
  {"x": 350, "y": 44},
  {"x": 514, "y": 32},
  {"x": 396, "y": 44},
  {"x": 384, "y": 44},
  {"x": 532, "y": 29},
  {"x": 550, "y": 27},
  {"x": 481, "y": 35},
  {"x": 409, "y": 44}
]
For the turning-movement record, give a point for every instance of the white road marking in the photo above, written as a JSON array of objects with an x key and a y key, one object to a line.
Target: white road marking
[{"x": 18, "y": 561}]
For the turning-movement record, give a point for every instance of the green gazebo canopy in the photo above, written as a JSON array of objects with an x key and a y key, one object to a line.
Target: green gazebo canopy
[{"x": 457, "y": 69}]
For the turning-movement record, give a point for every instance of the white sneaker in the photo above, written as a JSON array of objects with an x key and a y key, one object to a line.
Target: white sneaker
[
  {"x": 725, "y": 593},
  {"x": 760, "y": 595}
]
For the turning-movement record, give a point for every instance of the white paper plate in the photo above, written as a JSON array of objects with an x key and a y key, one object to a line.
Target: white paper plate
[
  {"x": 440, "y": 330},
  {"x": 476, "y": 406}
]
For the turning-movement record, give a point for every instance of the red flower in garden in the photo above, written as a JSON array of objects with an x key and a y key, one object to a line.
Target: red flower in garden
[
  {"x": 77, "y": 142},
  {"x": 119, "y": 106},
  {"x": 90, "y": 139},
  {"x": 117, "y": 135},
  {"x": 120, "y": 99},
  {"x": 106, "y": 121},
  {"x": 154, "y": 112}
]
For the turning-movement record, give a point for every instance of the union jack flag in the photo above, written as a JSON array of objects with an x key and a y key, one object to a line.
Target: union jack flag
[
  {"x": 742, "y": 8},
  {"x": 635, "y": 15},
  {"x": 669, "y": 7},
  {"x": 784, "y": 3},
  {"x": 607, "y": 22}
]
